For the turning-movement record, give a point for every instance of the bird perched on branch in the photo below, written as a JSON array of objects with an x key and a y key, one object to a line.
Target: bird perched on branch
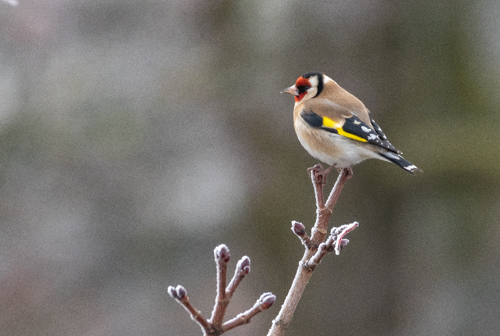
[{"x": 336, "y": 127}]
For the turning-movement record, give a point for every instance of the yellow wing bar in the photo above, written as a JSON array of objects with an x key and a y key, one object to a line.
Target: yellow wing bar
[{"x": 329, "y": 123}]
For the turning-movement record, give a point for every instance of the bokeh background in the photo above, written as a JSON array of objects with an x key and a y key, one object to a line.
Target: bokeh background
[{"x": 135, "y": 136}]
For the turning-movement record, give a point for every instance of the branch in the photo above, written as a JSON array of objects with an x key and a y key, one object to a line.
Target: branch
[
  {"x": 339, "y": 233},
  {"x": 242, "y": 269},
  {"x": 300, "y": 231},
  {"x": 315, "y": 247},
  {"x": 215, "y": 326},
  {"x": 222, "y": 257},
  {"x": 265, "y": 301},
  {"x": 334, "y": 242},
  {"x": 179, "y": 293}
]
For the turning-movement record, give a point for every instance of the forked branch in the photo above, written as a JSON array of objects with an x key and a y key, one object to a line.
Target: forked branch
[
  {"x": 215, "y": 325},
  {"x": 316, "y": 247}
]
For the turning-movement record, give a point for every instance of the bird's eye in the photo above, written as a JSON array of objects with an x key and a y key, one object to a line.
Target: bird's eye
[{"x": 303, "y": 88}]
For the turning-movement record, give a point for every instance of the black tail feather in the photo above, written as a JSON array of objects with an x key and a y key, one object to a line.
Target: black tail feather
[{"x": 401, "y": 162}]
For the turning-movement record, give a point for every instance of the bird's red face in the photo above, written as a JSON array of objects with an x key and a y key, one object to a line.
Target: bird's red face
[
  {"x": 302, "y": 85},
  {"x": 299, "y": 90}
]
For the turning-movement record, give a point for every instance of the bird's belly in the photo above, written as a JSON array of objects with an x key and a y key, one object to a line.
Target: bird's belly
[{"x": 332, "y": 148}]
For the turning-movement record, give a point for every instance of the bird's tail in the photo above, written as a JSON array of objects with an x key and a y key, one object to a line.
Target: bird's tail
[{"x": 401, "y": 162}]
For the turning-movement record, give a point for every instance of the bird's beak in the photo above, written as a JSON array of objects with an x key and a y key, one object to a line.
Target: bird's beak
[{"x": 291, "y": 90}]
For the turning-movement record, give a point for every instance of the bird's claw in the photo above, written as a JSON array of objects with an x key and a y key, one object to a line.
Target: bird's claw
[
  {"x": 319, "y": 174},
  {"x": 349, "y": 172}
]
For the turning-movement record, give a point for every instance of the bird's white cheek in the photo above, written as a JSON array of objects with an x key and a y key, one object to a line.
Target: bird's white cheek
[{"x": 310, "y": 94}]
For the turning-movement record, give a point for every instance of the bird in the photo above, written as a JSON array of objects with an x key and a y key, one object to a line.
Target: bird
[{"x": 336, "y": 128}]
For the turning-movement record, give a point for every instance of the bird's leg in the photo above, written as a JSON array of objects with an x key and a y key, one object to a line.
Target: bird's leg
[{"x": 319, "y": 173}]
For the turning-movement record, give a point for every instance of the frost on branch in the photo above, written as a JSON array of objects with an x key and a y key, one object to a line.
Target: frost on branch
[
  {"x": 338, "y": 234},
  {"x": 215, "y": 325},
  {"x": 221, "y": 253},
  {"x": 177, "y": 293},
  {"x": 334, "y": 242},
  {"x": 300, "y": 231}
]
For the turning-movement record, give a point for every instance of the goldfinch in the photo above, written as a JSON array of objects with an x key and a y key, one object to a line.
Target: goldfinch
[{"x": 335, "y": 127}]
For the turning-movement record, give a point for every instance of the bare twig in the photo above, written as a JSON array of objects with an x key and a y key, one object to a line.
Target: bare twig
[
  {"x": 315, "y": 247},
  {"x": 318, "y": 181},
  {"x": 214, "y": 326},
  {"x": 344, "y": 175},
  {"x": 242, "y": 269},
  {"x": 265, "y": 301},
  {"x": 339, "y": 233},
  {"x": 316, "y": 258},
  {"x": 179, "y": 293},
  {"x": 222, "y": 257},
  {"x": 300, "y": 231},
  {"x": 334, "y": 242}
]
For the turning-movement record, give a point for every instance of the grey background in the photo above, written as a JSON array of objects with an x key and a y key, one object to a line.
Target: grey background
[{"x": 135, "y": 136}]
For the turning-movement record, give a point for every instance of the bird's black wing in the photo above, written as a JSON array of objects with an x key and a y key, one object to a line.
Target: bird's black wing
[{"x": 352, "y": 128}]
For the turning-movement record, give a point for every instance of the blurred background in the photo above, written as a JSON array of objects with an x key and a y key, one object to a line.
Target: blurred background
[{"x": 135, "y": 136}]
